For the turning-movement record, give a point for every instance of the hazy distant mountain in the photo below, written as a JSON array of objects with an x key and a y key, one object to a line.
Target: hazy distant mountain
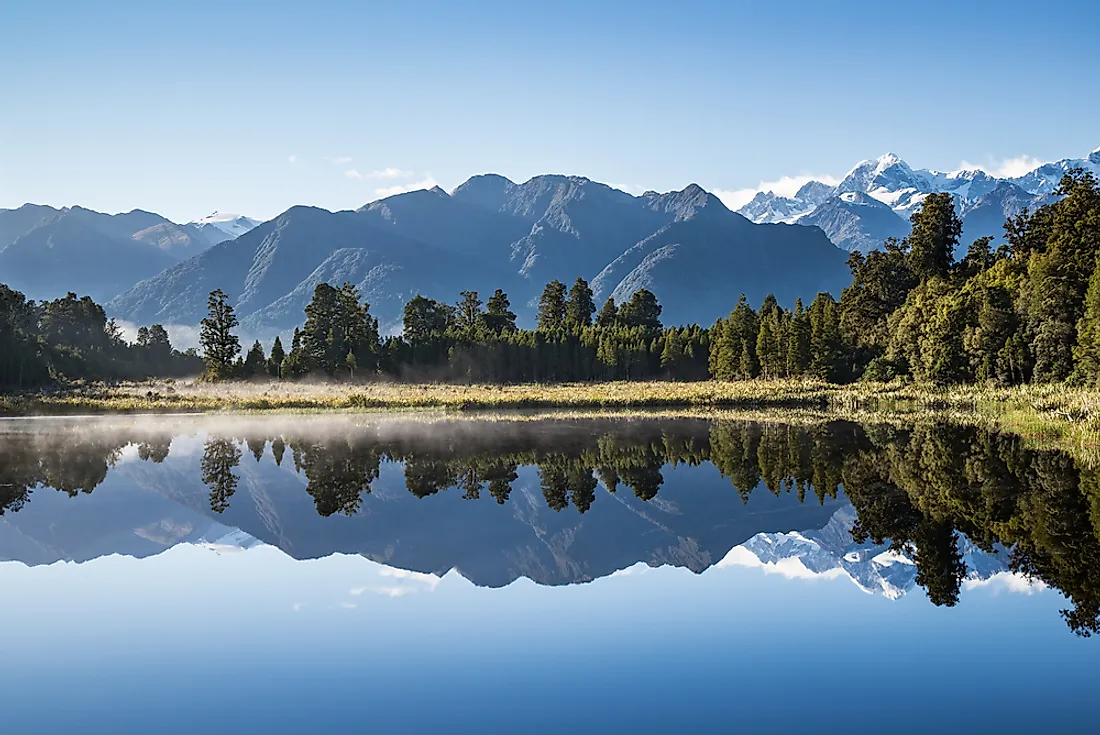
[
  {"x": 892, "y": 182},
  {"x": 46, "y": 252},
  {"x": 686, "y": 246},
  {"x": 65, "y": 254}
]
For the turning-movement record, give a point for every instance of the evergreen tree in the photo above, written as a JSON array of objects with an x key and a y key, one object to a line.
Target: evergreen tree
[
  {"x": 608, "y": 316},
  {"x": 642, "y": 310},
  {"x": 580, "y": 307},
  {"x": 935, "y": 234},
  {"x": 255, "y": 363},
  {"x": 277, "y": 356},
  {"x": 468, "y": 312},
  {"x": 551, "y": 314},
  {"x": 499, "y": 319},
  {"x": 219, "y": 345}
]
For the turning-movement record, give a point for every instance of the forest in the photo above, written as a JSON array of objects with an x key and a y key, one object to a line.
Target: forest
[
  {"x": 1025, "y": 311},
  {"x": 915, "y": 488}
]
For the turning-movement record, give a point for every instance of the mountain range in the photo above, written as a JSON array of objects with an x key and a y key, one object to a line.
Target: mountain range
[
  {"x": 686, "y": 246},
  {"x": 46, "y": 252},
  {"x": 489, "y": 233},
  {"x": 875, "y": 199}
]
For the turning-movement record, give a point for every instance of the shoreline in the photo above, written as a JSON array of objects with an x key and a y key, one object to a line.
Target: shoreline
[{"x": 1057, "y": 407}]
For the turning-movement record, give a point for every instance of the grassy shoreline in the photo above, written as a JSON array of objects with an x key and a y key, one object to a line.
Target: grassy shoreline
[
  {"x": 1055, "y": 403},
  {"x": 1049, "y": 414}
]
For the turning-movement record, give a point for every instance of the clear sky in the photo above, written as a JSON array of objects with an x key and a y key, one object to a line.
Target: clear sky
[{"x": 184, "y": 108}]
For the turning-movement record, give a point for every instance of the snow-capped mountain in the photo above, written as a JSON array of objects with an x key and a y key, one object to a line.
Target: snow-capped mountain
[
  {"x": 221, "y": 226},
  {"x": 847, "y": 216},
  {"x": 831, "y": 552}
]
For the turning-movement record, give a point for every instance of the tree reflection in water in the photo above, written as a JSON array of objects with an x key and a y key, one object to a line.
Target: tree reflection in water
[{"x": 915, "y": 489}]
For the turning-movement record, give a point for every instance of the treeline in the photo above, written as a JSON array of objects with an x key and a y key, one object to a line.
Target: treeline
[
  {"x": 916, "y": 489},
  {"x": 469, "y": 341},
  {"x": 72, "y": 338},
  {"x": 1028, "y": 310}
]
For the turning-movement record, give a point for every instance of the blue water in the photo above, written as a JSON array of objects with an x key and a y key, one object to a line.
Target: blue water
[{"x": 220, "y": 635}]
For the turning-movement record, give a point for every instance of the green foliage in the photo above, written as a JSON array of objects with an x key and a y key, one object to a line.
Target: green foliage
[
  {"x": 551, "y": 313},
  {"x": 219, "y": 345},
  {"x": 580, "y": 307}
]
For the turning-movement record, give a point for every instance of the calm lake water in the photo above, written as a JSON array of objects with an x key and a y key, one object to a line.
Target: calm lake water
[{"x": 308, "y": 574}]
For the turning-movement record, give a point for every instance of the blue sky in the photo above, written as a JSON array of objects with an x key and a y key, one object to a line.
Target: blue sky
[{"x": 183, "y": 108}]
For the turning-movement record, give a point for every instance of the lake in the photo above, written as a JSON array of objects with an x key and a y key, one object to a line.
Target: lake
[{"x": 301, "y": 574}]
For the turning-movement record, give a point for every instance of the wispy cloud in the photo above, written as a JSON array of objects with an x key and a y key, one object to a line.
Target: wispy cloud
[
  {"x": 292, "y": 158},
  {"x": 353, "y": 174},
  {"x": 786, "y": 186},
  {"x": 390, "y": 173},
  {"x": 1005, "y": 168},
  {"x": 388, "y": 191},
  {"x": 338, "y": 160}
]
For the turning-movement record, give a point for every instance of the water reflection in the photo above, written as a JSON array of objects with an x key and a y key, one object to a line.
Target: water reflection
[{"x": 567, "y": 501}]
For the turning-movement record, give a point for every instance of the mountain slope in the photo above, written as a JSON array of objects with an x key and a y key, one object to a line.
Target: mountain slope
[
  {"x": 695, "y": 263},
  {"x": 856, "y": 221},
  {"x": 270, "y": 271},
  {"x": 67, "y": 255}
]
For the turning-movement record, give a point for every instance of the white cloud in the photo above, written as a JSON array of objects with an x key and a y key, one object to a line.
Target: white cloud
[
  {"x": 786, "y": 186},
  {"x": 353, "y": 174},
  {"x": 292, "y": 158},
  {"x": 1006, "y": 168},
  {"x": 1008, "y": 581},
  {"x": 390, "y": 173},
  {"x": 388, "y": 191},
  {"x": 338, "y": 160}
]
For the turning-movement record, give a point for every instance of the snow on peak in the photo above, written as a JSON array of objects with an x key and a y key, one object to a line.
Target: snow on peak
[
  {"x": 230, "y": 224},
  {"x": 220, "y": 217}
]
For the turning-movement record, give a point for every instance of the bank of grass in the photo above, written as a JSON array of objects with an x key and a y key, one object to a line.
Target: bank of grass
[
  {"x": 1052, "y": 404},
  {"x": 1056, "y": 414}
]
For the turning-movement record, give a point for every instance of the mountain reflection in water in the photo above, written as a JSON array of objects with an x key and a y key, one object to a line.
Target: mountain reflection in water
[{"x": 564, "y": 501}]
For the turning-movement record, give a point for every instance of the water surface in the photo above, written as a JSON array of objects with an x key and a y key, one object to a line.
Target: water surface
[{"x": 309, "y": 574}]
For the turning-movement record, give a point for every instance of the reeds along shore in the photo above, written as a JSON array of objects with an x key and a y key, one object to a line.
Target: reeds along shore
[{"x": 1051, "y": 405}]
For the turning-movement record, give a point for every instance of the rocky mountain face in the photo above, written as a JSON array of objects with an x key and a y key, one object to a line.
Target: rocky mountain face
[
  {"x": 686, "y": 246},
  {"x": 847, "y": 212},
  {"x": 46, "y": 252}
]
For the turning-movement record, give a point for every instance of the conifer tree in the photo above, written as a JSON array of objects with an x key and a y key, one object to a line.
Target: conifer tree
[
  {"x": 219, "y": 345},
  {"x": 498, "y": 317},
  {"x": 551, "y": 314},
  {"x": 935, "y": 234},
  {"x": 255, "y": 363},
  {"x": 608, "y": 316},
  {"x": 278, "y": 354},
  {"x": 580, "y": 307}
]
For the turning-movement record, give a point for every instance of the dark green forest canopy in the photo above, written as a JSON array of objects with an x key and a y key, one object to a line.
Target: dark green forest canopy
[{"x": 916, "y": 489}]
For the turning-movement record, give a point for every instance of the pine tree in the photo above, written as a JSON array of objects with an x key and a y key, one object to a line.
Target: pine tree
[
  {"x": 642, "y": 310},
  {"x": 936, "y": 231},
  {"x": 551, "y": 314},
  {"x": 255, "y": 363},
  {"x": 277, "y": 356},
  {"x": 499, "y": 319},
  {"x": 468, "y": 311},
  {"x": 580, "y": 307},
  {"x": 219, "y": 345},
  {"x": 608, "y": 316}
]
